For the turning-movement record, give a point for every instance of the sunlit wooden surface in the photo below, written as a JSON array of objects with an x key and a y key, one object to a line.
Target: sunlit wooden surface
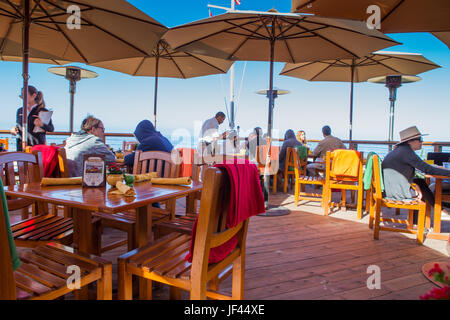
[{"x": 305, "y": 255}]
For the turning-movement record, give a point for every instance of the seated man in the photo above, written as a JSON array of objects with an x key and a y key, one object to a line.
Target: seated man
[
  {"x": 89, "y": 140},
  {"x": 149, "y": 140},
  {"x": 329, "y": 143},
  {"x": 399, "y": 169}
]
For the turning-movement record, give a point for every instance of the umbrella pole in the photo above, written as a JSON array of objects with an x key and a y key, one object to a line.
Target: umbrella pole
[
  {"x": 271, "y": 210},
  {"x": 72, "y": 89},
  {"x": 25, "y": 74},
  {"x": 156, "y": 88},
  {"x": 351, "y": 105}
]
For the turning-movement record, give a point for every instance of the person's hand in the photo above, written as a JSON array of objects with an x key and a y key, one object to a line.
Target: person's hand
[
  {"x": 14, "y": 130},
  {"x": 38, "y": 122}
]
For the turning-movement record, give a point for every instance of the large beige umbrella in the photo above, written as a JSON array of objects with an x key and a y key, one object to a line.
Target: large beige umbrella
[
  {"x": 443, "y": 36},
  {"x": 165, "y": 62},
  {"x": 380, "y": 63},
  {"x": 273, "y": 36},
  {"x": 396, "y": 15},
  {"x": 78, "y": 31}
]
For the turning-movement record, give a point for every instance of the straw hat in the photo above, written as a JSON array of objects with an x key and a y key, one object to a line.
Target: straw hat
[{"x": 410, "y": 133}]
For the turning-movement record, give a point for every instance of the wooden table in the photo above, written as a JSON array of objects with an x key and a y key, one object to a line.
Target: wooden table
[
  {"x": 439, "y": 197},
  {"x": 83, "y": 201}
]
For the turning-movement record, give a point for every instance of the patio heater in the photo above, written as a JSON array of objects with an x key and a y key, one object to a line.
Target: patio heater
[
  {"x": 393, "y": 83},
  {"x": 73, "y": 74},
  {"x": 271, "y": 210}
]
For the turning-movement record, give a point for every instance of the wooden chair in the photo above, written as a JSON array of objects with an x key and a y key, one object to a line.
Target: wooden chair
[
  {"x": 42, "y": 228},
  {"x": 144, "y": 162},
  {"x": 343, "y": 184},
  {"x": 261, "y": 154},
  {"x": 378, "y": 202},
  {"x": 43, "y": 273},
  {"x": 289, "y": 168},
  {"x": 163, "y": 260},
  {"x": 302, "y": 180},
  {"x": 5, "y": 143}
]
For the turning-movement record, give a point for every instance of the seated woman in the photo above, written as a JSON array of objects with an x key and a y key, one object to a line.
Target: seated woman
[
  {"x": 301, "y": 136},
  {"x": 90, "y": 140},
  {"x": 399, "y": 169},
  {"x": 255, "y": 139},
  {"x": 290, "y": 141},
  {"x": 149, "y": 140}
]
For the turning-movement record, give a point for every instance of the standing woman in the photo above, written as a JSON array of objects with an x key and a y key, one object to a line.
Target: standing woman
[{"x": 37, "y": 129}]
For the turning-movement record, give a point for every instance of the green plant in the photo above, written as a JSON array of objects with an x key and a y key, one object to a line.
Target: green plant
[{"x": 114, "y": 169}]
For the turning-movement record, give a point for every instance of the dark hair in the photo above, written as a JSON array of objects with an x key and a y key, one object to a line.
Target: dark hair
[
  {"x": 258, "y": 131},
  {"x": 220, "y": 114},
  {"x": 89, "y": 123},
  {"x": 39, "y": 96},
  {"x": 326, "y": 130}
]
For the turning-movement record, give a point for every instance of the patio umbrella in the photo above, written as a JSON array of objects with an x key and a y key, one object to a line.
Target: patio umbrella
[
  {"x": 77, "y": 31},
  {"x": 396, "y": 15},
  {"x": 443, "y": 36},
  {"x": 273, "y": 36},
  {"x": 353, "y": 70},
  {"x": 165, "y": 62}
]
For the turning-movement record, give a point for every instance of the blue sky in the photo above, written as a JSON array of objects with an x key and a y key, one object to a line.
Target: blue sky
[{"x": 121, "y": 101}]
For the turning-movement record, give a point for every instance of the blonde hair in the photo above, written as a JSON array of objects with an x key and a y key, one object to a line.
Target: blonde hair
[
  {"x": 303, "y": 141},
  {"x": 89, "y": 123}
]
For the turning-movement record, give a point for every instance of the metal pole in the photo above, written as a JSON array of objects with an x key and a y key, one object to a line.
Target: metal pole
[
  {"x": 232, "y": 120},
  {"x": 156, "y": 86},
  {"x": 351, "y": 102},
  {"x": 25, "y": 75},
  {"x": 392, "y": 98},
  {"x": 72, "y": 90}
]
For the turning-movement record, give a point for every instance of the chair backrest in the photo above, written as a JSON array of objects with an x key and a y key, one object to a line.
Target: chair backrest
[
  {"x": 62, "y": 168},
  {"x": 376, "y": 177},
  {"x": 26, "y": 167},
  {"x": 7, "y": 282},
  {"x": 354, "y": 169},
  {"x": 261, "y": 155},
  {"x": 298, "y": 163},
  {"x": 211, "y": 227},
  {"x": 155, "y": 161},
  {"x": 5, "y": 143}
]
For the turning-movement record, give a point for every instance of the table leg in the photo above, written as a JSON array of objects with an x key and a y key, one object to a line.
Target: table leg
[
  {"x": 190, "y": 203},
  {"x": 143, "y": 225},
  {"x": 83, "y": 235},
  {"x": 437, "y": 206}
]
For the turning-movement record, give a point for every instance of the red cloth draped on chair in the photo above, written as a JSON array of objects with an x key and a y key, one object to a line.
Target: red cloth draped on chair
[
  {"x": 246, "y": 200},
  {"x": 49, "y": 158}
]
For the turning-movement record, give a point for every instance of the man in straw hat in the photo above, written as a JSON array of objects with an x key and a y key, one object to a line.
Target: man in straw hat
[{"x": 399, "y": 169}]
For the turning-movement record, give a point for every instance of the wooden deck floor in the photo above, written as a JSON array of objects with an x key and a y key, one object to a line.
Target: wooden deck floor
[{"x": 305, "y": 255}]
